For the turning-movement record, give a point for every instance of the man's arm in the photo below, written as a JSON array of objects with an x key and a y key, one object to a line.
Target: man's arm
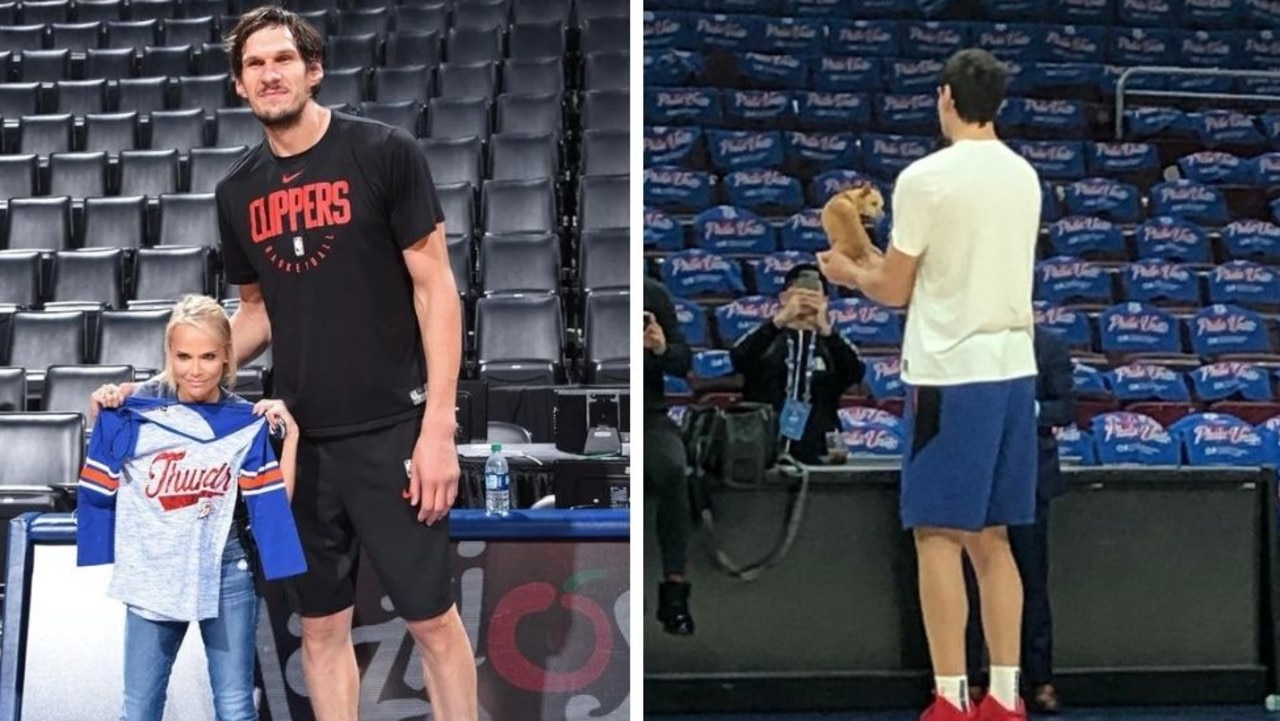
[
  {"x": 434, "y": 474},
  {"x": 844, "y": 359},
  {"x": 289, "y": 460},
  {"x": 745, "y": 354},
  {"x": 677, "y": 359},
  {"x": 887, "y": 279},
  {"x": 250, "y": 326}
]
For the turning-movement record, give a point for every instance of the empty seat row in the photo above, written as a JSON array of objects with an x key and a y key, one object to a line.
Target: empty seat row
[
  {"x": 66, "y": 388},
  {"x": 522, "y": 156},
  {"x": 190, "y": 219},
  {"x": 590, "y": 17},
  {"x": 576, "y": 13},
  {"x": 40, "y": 339},
  {"x": 520, "y": 338},
  {"x": 181, "y": 130},
  {"x": 140, "y": 95},
  {"x": 528, "y": 206},
  {"x": 138, "y": 172},
  {"x": 520, "y": 11},
  {"x": 97, "y": 275},
  {"x": 420, "y": 82},
  {"x": 65, "y": 63},
  {"x": 81, "y": 36},
  {"x": 53, "y": 11},
  {"x": 48, "y": 224},
  {"x": 533, "y": 262},
  {"x": 230, "y": 127}
]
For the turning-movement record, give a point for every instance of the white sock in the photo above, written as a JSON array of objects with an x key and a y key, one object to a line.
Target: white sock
[
  {"x": 1004, "y": 685},
  {"x": 954, "y": 689}
]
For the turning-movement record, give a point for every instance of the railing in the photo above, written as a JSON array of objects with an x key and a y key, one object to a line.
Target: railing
[{"x": 1123, "y": 81}]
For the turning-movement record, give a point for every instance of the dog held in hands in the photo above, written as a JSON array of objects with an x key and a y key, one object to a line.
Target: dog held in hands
[{"x": 842, "y": 220}]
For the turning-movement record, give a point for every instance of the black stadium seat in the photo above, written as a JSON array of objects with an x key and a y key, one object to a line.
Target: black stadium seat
[
  {"x": 606, "y": 337},
  {"x": 133, "y": 338},
  {"x": 603, "y": 202},
  {"x": 20, "y": 278},
  {"x": 94, "y": 274},
  {"x": 520, "y": 339},
  {"x": 39, "y": 224},
  {"x": 40, "y": 339},
  {"x": 40, "y": 449},
  {"x": 523, "y": 156},
  {"x": 519, "y": 206},
  {"x": 13, "y": 389},
  {"x": 148, "y": 172},
  {"x": 604, "y": 259},
  {"x": 115, "y": 222},
  {"x": 78, "y": 175},
  {"x": 520, "y": 263},
  {"x": 67, "y": 388},
  {"x": 454, "y": 160},
  {"x": 170, "y": 273},
  {"x": 188, "y": 219},
  {"x": 458, "y": 118}
]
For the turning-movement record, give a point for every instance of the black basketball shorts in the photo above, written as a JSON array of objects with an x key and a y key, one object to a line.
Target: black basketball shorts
[{"x": 348, "y": 496}]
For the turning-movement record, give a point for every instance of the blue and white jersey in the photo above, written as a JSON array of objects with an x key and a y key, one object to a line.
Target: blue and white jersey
[{"x": 157, "y": 498}]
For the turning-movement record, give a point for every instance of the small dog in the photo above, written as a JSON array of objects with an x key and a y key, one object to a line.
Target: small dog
[{"x": 842, "y": 219}]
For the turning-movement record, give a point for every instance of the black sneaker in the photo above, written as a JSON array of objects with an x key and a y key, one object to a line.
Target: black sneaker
[{"x": 673, "y": 608}]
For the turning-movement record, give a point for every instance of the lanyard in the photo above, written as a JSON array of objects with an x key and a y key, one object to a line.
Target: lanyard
[{"x": 793, "y": 372}]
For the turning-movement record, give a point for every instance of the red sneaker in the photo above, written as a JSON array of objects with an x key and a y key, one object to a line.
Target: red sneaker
[
  {"x": 992, "y": 710},
  {"x": 943, "y": 710}
]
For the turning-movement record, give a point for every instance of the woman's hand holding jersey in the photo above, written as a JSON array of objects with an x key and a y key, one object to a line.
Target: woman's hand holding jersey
[{"x": 109, "y": 395}]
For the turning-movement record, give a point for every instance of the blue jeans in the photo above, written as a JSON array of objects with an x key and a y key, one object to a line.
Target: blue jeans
[{"x": 150, "y": 648}]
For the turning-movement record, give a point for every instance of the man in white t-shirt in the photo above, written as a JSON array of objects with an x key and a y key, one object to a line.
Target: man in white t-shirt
[{"x": 962, "y": 260}]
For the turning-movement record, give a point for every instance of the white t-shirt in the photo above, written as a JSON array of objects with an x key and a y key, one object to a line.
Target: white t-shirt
[{"x": 971, "y": 213}]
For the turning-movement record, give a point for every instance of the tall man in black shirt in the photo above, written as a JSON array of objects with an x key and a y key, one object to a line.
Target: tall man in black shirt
[
  {"x": 797, "y": 356},
  {"x": 332, "y": 230},
  {"x": 665, "y": 460}
]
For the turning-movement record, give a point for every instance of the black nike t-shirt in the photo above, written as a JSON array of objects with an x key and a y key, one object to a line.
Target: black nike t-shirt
[{"x": 323, "y": 232}]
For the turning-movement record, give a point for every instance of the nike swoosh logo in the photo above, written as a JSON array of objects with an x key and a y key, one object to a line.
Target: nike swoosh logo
[{"x": 290, "y": 177}]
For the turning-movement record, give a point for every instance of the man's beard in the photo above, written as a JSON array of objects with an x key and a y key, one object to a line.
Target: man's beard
[{"x": 284, "y": 119}]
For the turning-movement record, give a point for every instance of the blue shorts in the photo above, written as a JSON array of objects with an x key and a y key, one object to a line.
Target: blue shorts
[{"x": 971, "y": 455}]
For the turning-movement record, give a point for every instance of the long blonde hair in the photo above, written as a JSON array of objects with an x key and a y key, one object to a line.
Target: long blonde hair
[{"x": 206, "y": 315}]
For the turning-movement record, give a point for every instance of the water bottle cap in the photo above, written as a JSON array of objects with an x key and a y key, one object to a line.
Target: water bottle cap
[{"x": 496, "y": 447}]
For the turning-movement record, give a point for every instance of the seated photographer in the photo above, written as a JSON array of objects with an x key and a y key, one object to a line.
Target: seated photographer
[{"x": 799, "y": 365}]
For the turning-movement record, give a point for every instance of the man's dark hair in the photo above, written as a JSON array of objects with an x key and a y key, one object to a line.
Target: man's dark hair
[
  {"x": 978, "y": 82},
  {"x": 309, "y": 42}
]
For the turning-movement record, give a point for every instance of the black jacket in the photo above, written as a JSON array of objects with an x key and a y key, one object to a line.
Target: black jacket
[
  {"x": 761, "y": 357},
  {"x": 1055, "y": 391},
  {"x": 677, "y": 360}
]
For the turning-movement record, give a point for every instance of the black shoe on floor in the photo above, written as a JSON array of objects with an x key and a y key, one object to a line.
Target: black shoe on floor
[
  {"x": 673, "y": 608},
  {"x": 1044, "y": 699}
]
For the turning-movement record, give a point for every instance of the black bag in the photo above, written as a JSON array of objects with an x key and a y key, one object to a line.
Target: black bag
[
  {"x": 734, "y": 445},
  {"x": 737, "y": 445}
]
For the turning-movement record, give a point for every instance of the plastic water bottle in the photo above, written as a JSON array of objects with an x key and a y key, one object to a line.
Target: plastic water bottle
[{"x": 497, "y": 482}]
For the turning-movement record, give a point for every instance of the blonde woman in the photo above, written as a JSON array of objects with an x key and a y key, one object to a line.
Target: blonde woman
[{"x": 183, "y": 493}]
